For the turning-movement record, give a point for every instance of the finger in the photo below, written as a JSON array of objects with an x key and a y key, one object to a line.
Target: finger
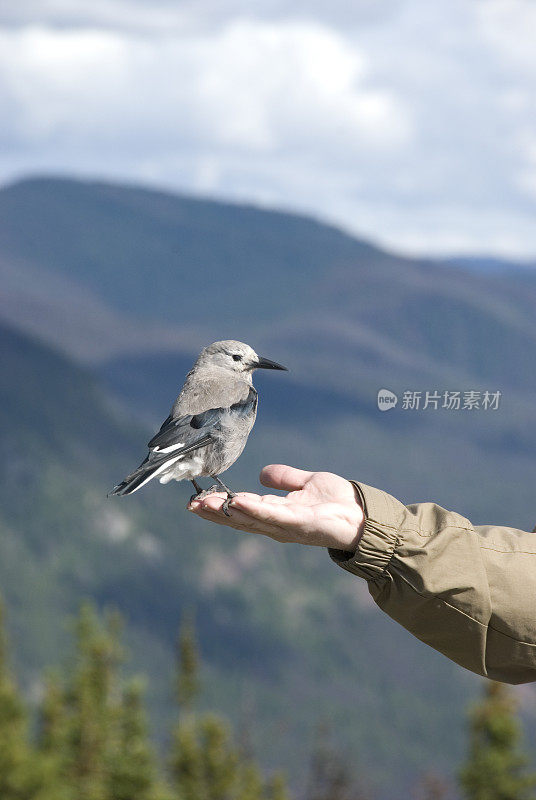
[
  {"x": 263, "y": 498},
  {"x": 251, "y": 510},
  {"x": 272, "y": 515},
  {"x": 215, "y": 516},
  {"x": 239, "y": 521},
  {"x": 213, "y": 502},
  {"x": 252, "y": 504},
  {"x": 281, "y": 476},
  {"x": 195, "y": 503}
]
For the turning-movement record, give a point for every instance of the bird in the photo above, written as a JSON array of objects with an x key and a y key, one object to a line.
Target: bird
[{"x": 209, "y": 422}]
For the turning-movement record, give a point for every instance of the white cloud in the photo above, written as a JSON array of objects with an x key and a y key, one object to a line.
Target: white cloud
[
  {"x": 189, "y": 16},
  {"x": 508, "y": 26},
  {"x": 59, "y": 84},
  {"x": 414, "y": 124},
  {"x": 250, "y": 86}
]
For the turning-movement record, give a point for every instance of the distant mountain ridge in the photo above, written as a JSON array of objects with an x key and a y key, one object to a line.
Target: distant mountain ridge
[
  {"x": 159, "y": 256},
  {"x": 490, "y": 264},
  {"x": 104, "y": 270}
]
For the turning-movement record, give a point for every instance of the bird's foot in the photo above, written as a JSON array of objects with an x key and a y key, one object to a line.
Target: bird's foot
[
  {"x": 230, "y": 495},
  {"x": 216, "y": 487},
  {"x": 205, "y": 493},
  {"x": 225, "y": 506}
]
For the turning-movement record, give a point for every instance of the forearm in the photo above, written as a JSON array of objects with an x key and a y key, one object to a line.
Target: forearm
[{"x": 468, "y": 592}]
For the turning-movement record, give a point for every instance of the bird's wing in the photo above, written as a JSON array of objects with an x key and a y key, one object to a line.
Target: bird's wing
[{"x": 180, "y": 433}]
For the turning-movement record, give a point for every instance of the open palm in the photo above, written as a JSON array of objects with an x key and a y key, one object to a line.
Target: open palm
[{"x": 320, "y": 509}]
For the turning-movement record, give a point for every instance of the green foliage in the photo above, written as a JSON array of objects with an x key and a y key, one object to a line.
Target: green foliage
[
  {"x": 93, "y": 735},
  {"x": 93, "y": 740},
  {"x": 54, "y": 741},
  {"x": 93, "y": 743},
  {"x": 13, "y": 754},
  {"x": 276, "y": 787},
  {"x": 250, "y": 781},
  {"x": 20, "y": 773},
  {"x": 496, "y": 768},
  {"x": 130, "y": 760},
  {"x": 205, "y": 763}
]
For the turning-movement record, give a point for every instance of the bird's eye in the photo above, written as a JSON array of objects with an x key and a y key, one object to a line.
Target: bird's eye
[{"x": 237, "y": 358}]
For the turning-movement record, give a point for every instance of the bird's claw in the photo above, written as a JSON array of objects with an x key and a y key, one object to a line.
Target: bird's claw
[{"x": 225, "y": 506}]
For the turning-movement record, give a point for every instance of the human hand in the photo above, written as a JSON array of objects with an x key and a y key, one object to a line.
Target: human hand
[{"x": 321, "y": 509}]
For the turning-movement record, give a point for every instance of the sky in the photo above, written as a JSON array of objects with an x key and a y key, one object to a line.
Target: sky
[{"x": 408, "y": 122}]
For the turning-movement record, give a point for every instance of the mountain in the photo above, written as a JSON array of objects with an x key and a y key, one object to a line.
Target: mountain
[
  {"x": 489, "y": 264},
  {"x": 109, "y": 291},
  {"x": 102, "y": 270},
  {"x": 157, "y": 255}
]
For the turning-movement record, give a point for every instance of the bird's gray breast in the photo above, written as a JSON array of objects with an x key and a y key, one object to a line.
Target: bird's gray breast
[{"x": 234, "y": 427}]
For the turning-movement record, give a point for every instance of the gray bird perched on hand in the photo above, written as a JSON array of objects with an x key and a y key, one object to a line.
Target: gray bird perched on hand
[{"x": 209, "y": 422}]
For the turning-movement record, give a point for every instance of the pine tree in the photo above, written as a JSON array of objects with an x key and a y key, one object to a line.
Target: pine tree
[
  {"x": 249, "y": 781},
  {"x": 54, "y": 727},
  {"x": 219, "y": 758},
  {"x": 206, "y": 764},
  {"x": 203, "y": 763},
  {"x": 92, "y": 687},
  {"x": 186, "y": 761},
  {"x": 132, "y": 773},
  {"x": 20, "y": 773},
  {"x": 496, "y": 768},
  {"x": 54, "y": 745},
  {"x": 93, "y": 736}
]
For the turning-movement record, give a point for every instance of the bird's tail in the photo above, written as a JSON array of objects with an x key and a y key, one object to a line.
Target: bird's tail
[
  {"x": 147, "y": 470},
  {"x": 155, "y": 463}
]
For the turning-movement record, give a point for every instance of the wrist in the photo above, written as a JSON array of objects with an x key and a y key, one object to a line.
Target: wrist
[{"x": 357, "y": 523}]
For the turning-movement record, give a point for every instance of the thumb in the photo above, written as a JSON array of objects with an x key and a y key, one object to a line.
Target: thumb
[{"x": 280, "y": 476}]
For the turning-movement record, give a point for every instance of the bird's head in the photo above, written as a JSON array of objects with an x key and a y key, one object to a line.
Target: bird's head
[{"x": 234, "y": 356}]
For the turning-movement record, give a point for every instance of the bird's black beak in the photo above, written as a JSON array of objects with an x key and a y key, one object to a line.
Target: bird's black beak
[{"x": 265, "y": 363}]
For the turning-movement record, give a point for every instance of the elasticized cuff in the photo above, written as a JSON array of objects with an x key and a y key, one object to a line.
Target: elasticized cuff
[{"x": 383, "y": 518}]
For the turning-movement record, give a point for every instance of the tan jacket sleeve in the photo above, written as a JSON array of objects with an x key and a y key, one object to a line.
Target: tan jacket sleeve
[{"x": 469, "y": 592}]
